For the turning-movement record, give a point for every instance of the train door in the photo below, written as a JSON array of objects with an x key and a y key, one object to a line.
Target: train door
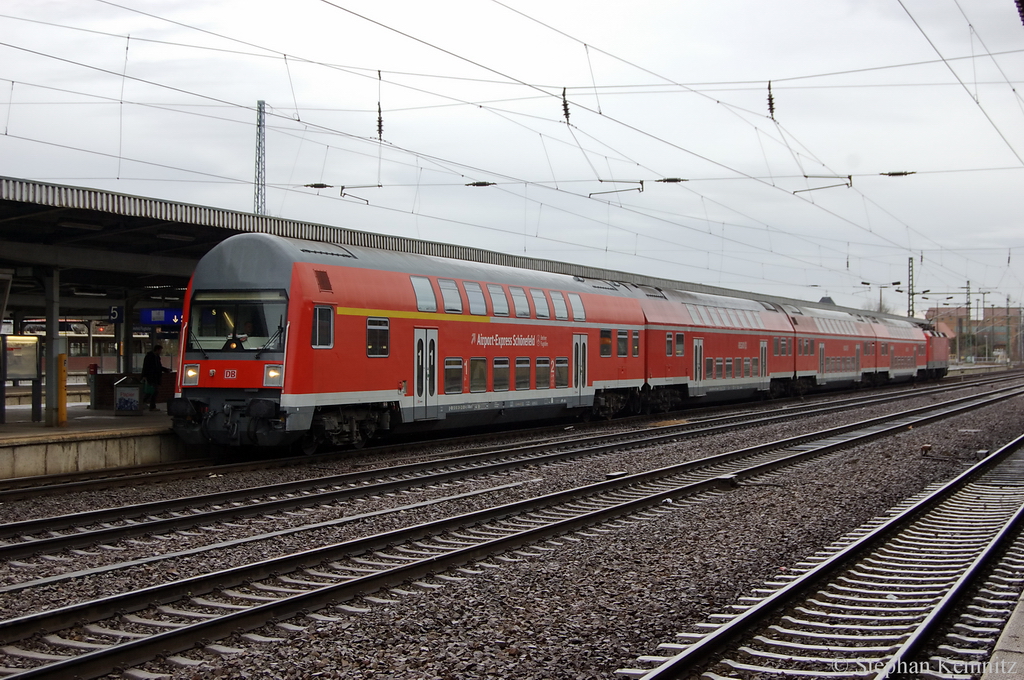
[
  {"x": 765, "y": 381},
  {"x": 584, "y": 395},
  {"x": 425, "y": 372},
  {"x": 821, "y": 363},
  {"x": 697, "y": 388}
]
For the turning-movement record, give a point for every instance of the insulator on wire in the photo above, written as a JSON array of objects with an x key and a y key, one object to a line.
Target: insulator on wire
[
  {"x": 771, "y": 102},
  {"x": 565, "y": 106},
  {"x": 380, "y": 115}
]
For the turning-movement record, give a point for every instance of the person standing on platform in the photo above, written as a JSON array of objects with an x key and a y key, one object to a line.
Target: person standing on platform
[{"x": 152, "y": 372}]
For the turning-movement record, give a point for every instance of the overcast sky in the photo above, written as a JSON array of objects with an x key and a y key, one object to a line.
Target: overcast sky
[{"x": 158, "y": 98}]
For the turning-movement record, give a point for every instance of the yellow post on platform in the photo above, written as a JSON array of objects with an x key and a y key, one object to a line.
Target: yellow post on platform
[{"x": 62, "y": 390}]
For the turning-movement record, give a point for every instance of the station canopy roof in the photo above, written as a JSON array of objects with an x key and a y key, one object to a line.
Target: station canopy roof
[{"x": 111, "y": 248}]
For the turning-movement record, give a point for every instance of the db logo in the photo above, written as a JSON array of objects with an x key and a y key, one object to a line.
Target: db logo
[{"x": 230, "y": 374}]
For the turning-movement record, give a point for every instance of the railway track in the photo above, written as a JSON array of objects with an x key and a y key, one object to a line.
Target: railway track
[
  {"x": 91, "y": 638},
  {"x": 49, "y": 535},
  {"x": 78, "y": 482},
  {"x": 868, "y": 608}
]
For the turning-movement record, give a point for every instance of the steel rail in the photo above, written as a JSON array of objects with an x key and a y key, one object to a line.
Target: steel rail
[
  {"x": 308, "y": 492},
  {"x": 28, "y": 487},
  {"x": 552, "y": 524},
  {"x": 705, "y": 650}
]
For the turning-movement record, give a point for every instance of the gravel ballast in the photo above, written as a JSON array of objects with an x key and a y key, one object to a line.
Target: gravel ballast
[{"x": 594, "y": 604}]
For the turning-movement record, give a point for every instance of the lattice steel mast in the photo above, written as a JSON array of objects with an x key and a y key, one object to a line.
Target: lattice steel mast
[{"x": 260, "y": 206}]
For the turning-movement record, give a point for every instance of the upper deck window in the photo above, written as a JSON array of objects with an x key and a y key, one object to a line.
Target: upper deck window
[
  {"x": 578, "y": 312},
  {"x": 450, "y": 296},
  {"x": 520, "y": 301},
  {"x": 244, "y": 320},
  {"x": 499, "y": 301},
  {"x": 540, "y": 303},
  {"x": 426, "y": 300},
  {"x": 561, "y": 309},
  {"x": 477, "y": 304}
]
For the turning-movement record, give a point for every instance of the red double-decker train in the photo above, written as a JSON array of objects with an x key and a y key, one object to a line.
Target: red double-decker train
[{"x": 290, "y": 342}]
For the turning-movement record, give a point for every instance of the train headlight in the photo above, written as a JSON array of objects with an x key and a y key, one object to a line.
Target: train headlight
[
  {"x": 273, "y": 375},
  {"x": 191, "y": 376}
]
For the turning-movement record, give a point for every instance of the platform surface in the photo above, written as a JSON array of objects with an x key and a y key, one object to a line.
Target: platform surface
[{"x": 83, "y": 423}]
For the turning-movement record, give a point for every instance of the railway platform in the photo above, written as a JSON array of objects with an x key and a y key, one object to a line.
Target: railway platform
[
  {"x": 91, "y": 439},
  {"x": 1007, "y": 660}
]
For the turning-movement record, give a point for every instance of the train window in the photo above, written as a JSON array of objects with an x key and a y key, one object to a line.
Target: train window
[
  {"x": 478, "y": 374},
  {"x": 543, "y": 373},
  {"x": 709, "y": 367},
  {"x": 746, "y": 367},
  {"x": 453, "y": 375},
  {"x": 735, "y": 318},
  {"x": 499, "y": 301},
  {"x": 728, "y": 367},
  {"x": 668, "y": 344},
  {"x": 680, "y": 344},
  {"x": 558, "y": 302},
  {"x": 719, "y": 368},
  {"x": 499, "y": 377},
  {"x": 606, "y": 343},
  {"x": 378, "y": 332},
  {"x": 426, "y": 301},
  {"x": 622, "y": 344},
  {"x": 450, "y": 296},
  {"x": 784, "y": 347},
  {"x": 754, "y": 368},
  {"x": 475, "y": 294},
  {"x": 520, "y": 302},
  {"x": 323, "y": 327},
  {"x": 540, "y": 303},
  {"x": 562, "y": 372},
  {"x": 578, "y": 312},
  {"x": 522, "y": 373},
  {"x": 775, "y": 347}
]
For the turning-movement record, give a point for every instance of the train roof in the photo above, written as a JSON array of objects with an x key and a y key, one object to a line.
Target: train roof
[{"x": 268, "y": 260}]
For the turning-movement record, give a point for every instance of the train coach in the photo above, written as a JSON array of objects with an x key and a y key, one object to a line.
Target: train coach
[{"x": 294, "y": 343}]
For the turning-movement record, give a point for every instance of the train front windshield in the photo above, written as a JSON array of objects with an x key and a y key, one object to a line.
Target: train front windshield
[{"x": 238, "y": 321}]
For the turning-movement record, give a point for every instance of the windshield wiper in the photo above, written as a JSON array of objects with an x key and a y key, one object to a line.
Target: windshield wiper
[
  {"x": 269, "y": 342},
  {"x": 196, "y": 341}
]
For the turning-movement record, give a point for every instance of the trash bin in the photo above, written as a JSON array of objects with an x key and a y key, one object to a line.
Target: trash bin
[{"x": 128, "y": 397}]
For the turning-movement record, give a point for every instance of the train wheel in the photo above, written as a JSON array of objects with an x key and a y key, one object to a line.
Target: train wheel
[{"x": 308, "y": 445}]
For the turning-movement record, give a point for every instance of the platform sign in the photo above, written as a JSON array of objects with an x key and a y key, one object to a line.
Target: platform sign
[
  {"x": 160, "y": 317},
  {"x": 115, "y": 315}
]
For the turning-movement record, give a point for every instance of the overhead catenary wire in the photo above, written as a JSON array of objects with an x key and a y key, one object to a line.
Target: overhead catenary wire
[{"x": 379, "y": 113}]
